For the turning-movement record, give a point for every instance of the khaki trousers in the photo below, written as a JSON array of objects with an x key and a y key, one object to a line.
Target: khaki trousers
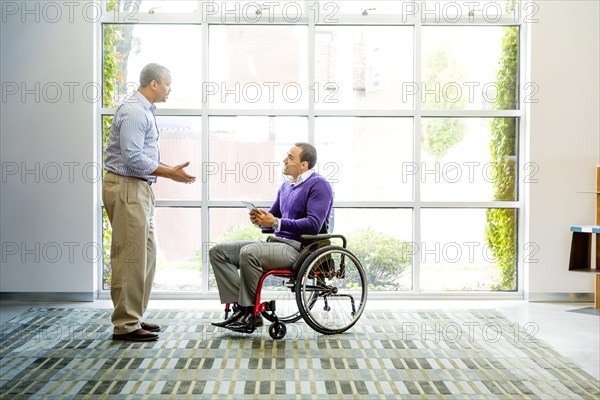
[{"x": 129, "y": 203}]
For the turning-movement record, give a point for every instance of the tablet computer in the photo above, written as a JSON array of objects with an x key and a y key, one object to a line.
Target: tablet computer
[{"x": 251, "y": 207}]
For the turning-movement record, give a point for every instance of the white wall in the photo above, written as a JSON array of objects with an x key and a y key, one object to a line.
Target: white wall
[
  {"x": 564, "y": 141},
  {"x": 47, "y": 145}
]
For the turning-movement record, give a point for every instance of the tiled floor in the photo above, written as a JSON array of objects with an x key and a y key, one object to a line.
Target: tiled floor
[{"x": 569, "y": 331}]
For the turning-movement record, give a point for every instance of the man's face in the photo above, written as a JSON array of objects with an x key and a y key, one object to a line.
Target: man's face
[
  {"x": 292, "y": 166},
  {"x": 163, "y": 88}
]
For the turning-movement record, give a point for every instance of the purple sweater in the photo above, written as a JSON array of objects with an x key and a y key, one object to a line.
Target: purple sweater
[{"x": 303, "y": 209}]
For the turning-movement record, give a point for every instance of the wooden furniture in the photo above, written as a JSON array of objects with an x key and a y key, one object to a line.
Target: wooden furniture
[{"x": 582, "y": 244}]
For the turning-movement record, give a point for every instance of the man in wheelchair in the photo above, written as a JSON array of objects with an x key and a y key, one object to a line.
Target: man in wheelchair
[{"x": 303, "y": 206}]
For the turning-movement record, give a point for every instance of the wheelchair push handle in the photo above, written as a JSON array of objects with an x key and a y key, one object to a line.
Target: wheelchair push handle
[{"x": 325, "y": 236}]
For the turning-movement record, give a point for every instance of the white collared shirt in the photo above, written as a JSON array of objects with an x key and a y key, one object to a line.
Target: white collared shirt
[{"x": 302, "y": 177}]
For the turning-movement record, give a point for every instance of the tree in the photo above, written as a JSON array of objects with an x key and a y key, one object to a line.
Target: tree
[{"x": 443, "y": 77}]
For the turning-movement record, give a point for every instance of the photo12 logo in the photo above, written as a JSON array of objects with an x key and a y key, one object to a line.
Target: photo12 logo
[
  {"x": 268, "y": 92},
  {"x": 50, "y": 172},
  {"x": 469, "y": 331},
  {"x": 53, "y": 12},
  {"x": 470, "y": 11},
  {"x": 262, "y": 12}
]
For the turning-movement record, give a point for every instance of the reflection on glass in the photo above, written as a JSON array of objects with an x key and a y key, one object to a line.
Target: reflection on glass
[
  {"x": 246, "y": 155},
  {"x": 468, "y": 159},
  {"x": 141, "y": 44},
  {"x": 180, "y": 141},
  {"x": 381, "y": 239},
  {"x": 366, "y": 158},
  {"x": 179, "y": 249},
  {"x": 460, "y": 68},
  {"x": 364, "y": 67},
  {"x": 466, "y": 251},
  {"x": 257, "y": 67}
]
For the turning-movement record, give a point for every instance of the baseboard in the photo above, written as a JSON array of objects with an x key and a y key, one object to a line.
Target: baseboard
[
  {"x": 48, "y": 297},
  {"x": 566, "y": 297}
]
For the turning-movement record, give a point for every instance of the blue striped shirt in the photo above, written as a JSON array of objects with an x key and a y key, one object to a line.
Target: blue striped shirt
[{"x": 132, "y": 148}]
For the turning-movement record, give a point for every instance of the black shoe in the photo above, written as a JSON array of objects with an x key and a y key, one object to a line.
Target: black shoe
[
  {"x": 246, "y": 324},
  {"x": 139, "y": 335},
  {"x": 147, "y": 326},
  {"x": 235, "y": 317}
]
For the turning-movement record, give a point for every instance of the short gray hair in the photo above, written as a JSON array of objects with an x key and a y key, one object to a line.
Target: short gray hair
[{"x": 152, "y": 72}]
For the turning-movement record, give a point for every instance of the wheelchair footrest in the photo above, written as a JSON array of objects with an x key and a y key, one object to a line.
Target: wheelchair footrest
[
  {"x": 270, "y": 306},
  {"x": 266, "y": 306}
]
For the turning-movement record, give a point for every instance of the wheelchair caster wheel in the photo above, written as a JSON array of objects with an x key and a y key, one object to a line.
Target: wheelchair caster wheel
[
  {"x": 277, "y": 330},
  {"x": 326, "y": 308}
]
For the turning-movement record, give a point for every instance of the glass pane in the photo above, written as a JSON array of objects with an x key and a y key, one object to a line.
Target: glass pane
[
  {"x": 381, "y": 239},
  {"x": 137, "y": 45},
  {"x": 254, "y": 12},
  {"x": 385, "y": 250},
  {"x": 468, "y": 159},
  {"x": 230, "y": 225},
  {"x": 363, "y": 158},
  {"x": 329, "y": 10},
  {"x": 452, "y": 10},
  {"x": 246, "y": 155},
  {"x": 179, "y": 249},
  {"x": 461, "y": 68},
  {"x": 257, "y": 67},
  {"x": 363, "y": 67},
  {"x": 158, "y": 6},
  {"x": 471, "y": 249},
  {"x": 106, "y": 240},
  {"x": 180, "y": 141}
]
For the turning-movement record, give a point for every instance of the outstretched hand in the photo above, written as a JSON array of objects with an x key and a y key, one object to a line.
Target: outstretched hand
[{"x": 179, "y": 175}]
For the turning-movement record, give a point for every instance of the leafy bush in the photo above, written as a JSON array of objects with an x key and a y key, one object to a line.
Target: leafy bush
[
  {"x": 384, "y": 258},
  {"x": 241, "y": 232}
]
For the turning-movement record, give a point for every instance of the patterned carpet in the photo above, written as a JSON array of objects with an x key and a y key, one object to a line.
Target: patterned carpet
[{"x": 469, "y": 354}]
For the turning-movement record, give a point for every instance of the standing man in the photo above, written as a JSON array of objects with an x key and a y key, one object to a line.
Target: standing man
[
  {"x": 302, "y": 207},
  {"x": 133, "y": 165}
]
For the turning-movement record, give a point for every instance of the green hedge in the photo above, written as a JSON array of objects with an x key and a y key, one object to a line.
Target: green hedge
[{"x": 500, "y": 230}]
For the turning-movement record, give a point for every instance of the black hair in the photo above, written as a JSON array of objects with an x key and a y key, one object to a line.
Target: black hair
[{"x": 308, "y": 153}]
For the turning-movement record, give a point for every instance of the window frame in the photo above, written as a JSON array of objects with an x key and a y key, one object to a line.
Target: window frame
[{"x": 417, "y": 21}]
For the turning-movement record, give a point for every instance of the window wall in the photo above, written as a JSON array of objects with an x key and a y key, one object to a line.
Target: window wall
[{"x": 413, "y": 107}]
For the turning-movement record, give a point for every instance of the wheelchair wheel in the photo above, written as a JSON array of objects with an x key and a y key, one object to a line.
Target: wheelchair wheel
[
  {"x": 331, "y": 290},
  {"x": 277, "y": 330},
  {"x": 281, "y": 289}
]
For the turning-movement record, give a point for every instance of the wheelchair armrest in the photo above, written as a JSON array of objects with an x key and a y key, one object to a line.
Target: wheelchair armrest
[{"x": 325, "y": 236}]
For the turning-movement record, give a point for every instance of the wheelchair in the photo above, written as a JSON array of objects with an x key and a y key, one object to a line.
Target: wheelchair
[{"x": 326, "y": 287}]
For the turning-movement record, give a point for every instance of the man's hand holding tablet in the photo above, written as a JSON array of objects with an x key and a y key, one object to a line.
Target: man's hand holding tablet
[{"x": 251, "y": 207}]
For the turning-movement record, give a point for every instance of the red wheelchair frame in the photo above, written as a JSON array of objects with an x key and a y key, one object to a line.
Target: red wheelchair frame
[{"x": 319, "y": 252}]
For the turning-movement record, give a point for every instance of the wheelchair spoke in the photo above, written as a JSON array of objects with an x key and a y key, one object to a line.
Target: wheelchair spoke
[
  {"x": 341, "y": 288},
  {"x": 281, "y": 290}
]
